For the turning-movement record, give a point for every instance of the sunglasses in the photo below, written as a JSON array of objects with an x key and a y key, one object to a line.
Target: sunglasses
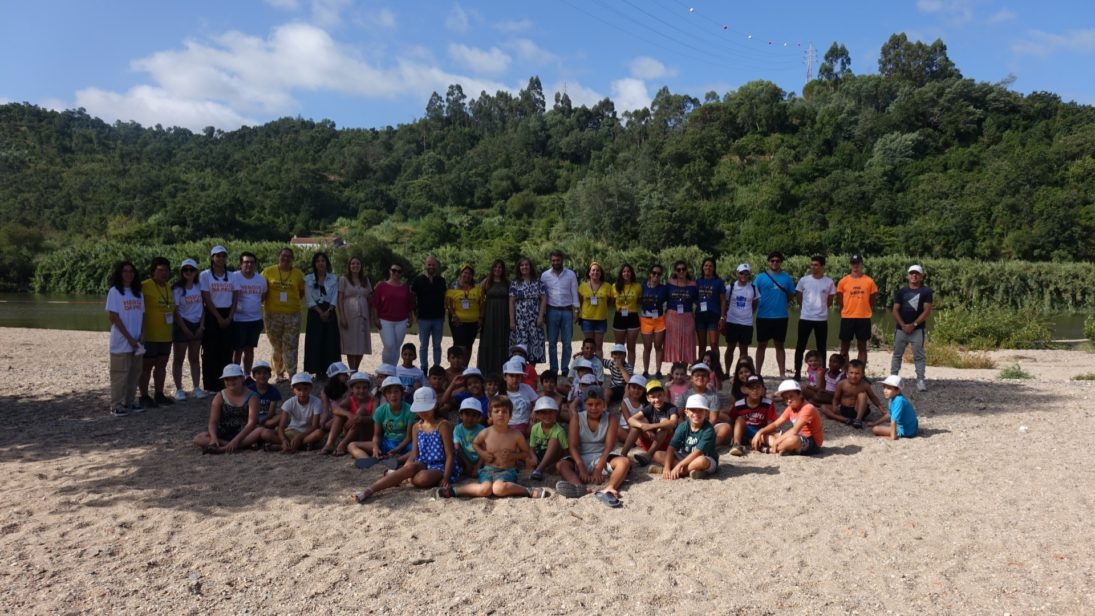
[
  {"x": 682, "y": 269},
  {"x": 396, "y": 270},
  {"x": 656, "y": 273}
]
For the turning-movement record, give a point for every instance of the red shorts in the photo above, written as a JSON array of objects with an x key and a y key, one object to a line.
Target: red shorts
[{"x": 646, "y": 441}]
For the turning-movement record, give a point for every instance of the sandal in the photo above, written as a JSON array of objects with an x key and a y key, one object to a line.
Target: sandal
[
  {"x": 569, "y": 490},
  {"x": 365, "y": 463},
  {"x": 363, "y": 495},
  {"x": 536, "y": 475},
  {"x": 325, "y": 451},
  {"x": 338, "y": 453},
  {"x": 609, "y": 499},
  {"x": 641, "y": 459},
  {"x": 447, "y": 492},
  {"x": 537, "y": 492}
]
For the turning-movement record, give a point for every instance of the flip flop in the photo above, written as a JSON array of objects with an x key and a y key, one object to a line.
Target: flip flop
[
  {"x": 366, "y": 463},
  {"x": 569, "y": 490},
  {"x": 391, "y": 463},
  {"x": 448, "y": 492},
  {"x": 642, "y": 459},
  {"x": 537, "y": 492},
  {"x": 609, "y": 499},
  {"x": 536, "y": 475},
  {"x": 339, "y": 453}
]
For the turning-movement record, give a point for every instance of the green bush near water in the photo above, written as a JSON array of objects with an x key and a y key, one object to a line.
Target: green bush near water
[{"x": 991, "y": 327}]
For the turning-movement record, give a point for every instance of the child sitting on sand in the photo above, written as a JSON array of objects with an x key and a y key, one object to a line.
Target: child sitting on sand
[
  {"x": 750, "y": 414},
  {"x": 467, "y": 385},
  {"x": 547, "y": 440},
  {"x": 815, "y": 376},
  {"x": 499, "y": 448},
  {"x": 269, "y": 396},
  {"x": 492, "y": 386},
  {"x": 432, "y": 460},
  {"x": 806, "y": 434},
  {"x": 457, "y": 357},
  {"x": 353, "y": 415},
  {"x": 392, "y": 422},
  {"x": 653, "y": 426},
  {"x": 233, "y": 416},
  {"x": 692, "y": 449},
  {"x": 549, "y": 381},
  {"x": 299, "y": 423},
  {"x": 851, "y": 397},
  {"x": 410, "y": 374},
  {"x": 631, "y": 405},
  {"x": 521, "y": 395},
  {"x": 333, "y": 392},
  {"x": 832, "y": 376},
  {"x": 619, "y": 372},
  {"x": 463, "y": 435},
  {"x": 901, "y": 416},
  {"x": 591, "y": 458}
]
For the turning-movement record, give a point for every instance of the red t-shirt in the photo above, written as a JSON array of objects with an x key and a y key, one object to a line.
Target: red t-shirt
[
  {"x": 808, "y": 415},
  {"x": 764, "y": 414},
  {"x": 392, "y": 303}
]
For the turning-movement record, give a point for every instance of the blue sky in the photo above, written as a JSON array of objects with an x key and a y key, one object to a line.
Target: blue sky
[{"x": 365, "y": 63}]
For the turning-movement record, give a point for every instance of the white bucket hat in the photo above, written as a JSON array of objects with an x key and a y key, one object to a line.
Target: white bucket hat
[{"x": 232, "y": 371}]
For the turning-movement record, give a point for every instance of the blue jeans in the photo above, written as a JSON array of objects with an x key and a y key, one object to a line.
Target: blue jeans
[
  {"x": 560, "y": 324},
  {"x": 426, "y": 329}
]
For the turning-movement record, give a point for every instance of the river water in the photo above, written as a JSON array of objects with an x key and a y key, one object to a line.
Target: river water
[{"x": 88, "y": 313}]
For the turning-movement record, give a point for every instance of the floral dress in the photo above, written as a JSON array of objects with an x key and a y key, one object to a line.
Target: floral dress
[{"x": 526, "y": 296}]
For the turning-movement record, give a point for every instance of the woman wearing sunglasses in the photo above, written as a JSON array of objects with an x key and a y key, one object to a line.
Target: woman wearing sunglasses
[
  {"x": 189, "y": 327},
  {"x": 652, "y": 319},
  {"x": 680, "y": 319},
  {"x": 393, "y": 311}
]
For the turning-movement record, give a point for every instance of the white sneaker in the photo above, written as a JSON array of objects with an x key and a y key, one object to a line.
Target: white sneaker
[
  {"x": 180, "y": 395},
  {"x": 200, "y": 394},
  {"x": 119, "y": 411},
  {"x": 921, "y": 385}
]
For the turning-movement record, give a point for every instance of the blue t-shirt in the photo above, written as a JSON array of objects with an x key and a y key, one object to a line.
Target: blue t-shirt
[
  {"x": 903, "y": 414},
  {"x": 458, "y": 399},
  {"x": 266, "y": 400},
  {"x": 681, "y": 299},
  {"x": 652, "y": 301},
  {"x": 710, "y": 291},
  {"x": 773, "y": 300}
]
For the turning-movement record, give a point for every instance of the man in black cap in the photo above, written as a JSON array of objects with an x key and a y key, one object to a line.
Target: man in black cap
[{"x": 856, "y": 295}]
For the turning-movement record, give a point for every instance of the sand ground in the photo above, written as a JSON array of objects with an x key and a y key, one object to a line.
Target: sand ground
[{"x": 988, "y": 512}]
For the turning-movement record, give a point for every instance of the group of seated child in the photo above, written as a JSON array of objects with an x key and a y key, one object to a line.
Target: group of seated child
[{"x": 586, "y": 434}]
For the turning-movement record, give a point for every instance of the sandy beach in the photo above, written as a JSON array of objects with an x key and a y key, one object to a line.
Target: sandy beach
[{"x": 987, "y": 512}]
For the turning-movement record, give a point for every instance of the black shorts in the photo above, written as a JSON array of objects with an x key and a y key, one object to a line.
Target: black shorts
[
  {"x": 737, "y": 334},
  {"x": 622, "y": 323},
  {"x": 848, "y": 412},
  {"x": 616, "y": 393},
  {"x": 771, "y": 329},
  {"x": 245, "y": 334},
  {"x": 707, "y": 321},
  {"x": 177, "y": 334},
  {"x": 860, "y": 329},
  {"x": 809, "y": 446},
  {"x": 155, "y": 350}
]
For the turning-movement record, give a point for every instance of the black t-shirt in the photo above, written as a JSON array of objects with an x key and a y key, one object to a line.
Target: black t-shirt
[
  {"x": 430, "y": 296},
  {"x": 911, "y": 302}
]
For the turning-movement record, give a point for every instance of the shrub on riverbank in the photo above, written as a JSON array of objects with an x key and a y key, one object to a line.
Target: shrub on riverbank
[{"x": 991, "y": 327}]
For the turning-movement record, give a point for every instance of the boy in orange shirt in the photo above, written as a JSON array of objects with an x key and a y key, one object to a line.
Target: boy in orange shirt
[
  {"x": 856, "y": 295},
  {"x": 806, "y": 434}
]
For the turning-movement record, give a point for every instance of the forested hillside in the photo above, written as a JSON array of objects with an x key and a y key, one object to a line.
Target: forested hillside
[{"x": 915, "y": 160}]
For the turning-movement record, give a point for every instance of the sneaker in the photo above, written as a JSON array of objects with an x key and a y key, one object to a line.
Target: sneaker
[
  {"x": 180, "y": 395},
  {"x": 921, "y": 385},
  {"x": 200, "y": 394},
  {"x": 655, "y": 469},
  {"x": 536, "y": 475},
  {"x": 737, "y": 450},
  {"x": 697, "y": 474},
  {"x": 660, "y": 376},
  {"x": 162, "y": 399},
  {"x": 119, "y": 411},
  {"x": 145, "y": 402}
]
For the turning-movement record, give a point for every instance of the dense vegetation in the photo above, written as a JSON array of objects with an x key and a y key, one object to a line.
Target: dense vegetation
[{"x": 915, "y": 160}]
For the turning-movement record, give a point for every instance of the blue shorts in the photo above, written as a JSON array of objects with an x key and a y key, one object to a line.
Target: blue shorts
[
  {"x": 388, "y": 446},
  {"x": 707, "y": 321},
  {"x": 489, "y": 473},
  {"x": 750, "y": 432},
  {"x": 590, "y": 326},
  {"x": 809, "y": 446}
]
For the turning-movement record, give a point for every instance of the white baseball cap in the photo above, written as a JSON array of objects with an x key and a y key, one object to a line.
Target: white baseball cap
[
  {"x": 337, "y": 368},
  {"x": 916, "y": 268},
  {"x": 892, "y": 381},
  {"x": 232, "y": 371},
  {"x": 260, "y": 364},
  {"x": 189, "y": 263},
  {"x": 472, "y": 404},
  {"x": 360, "y": 377},
  {"x": 744, "y": 267},
  {"x": 385, "y": 370},
  {"x": 699, "y": 366},
  {"x": 217, "y": 250},
  {"x": 393, "y": 381},
  {"x": 545, "y": 403},
  {"x": 476, "y": 372},
  {"x": 637, "y": 379},
  {"x": 587, "y": 379},
  {"x": 697, "y": 401},
  {"x": 618, "y": 348},
  {"x": 788, "y": 385},
  {"x": 424, "y": 400},
  {"x": 513, "y": 367},
  {"x": 581, "y": 362},
  {"x": 301, "y": 377}
]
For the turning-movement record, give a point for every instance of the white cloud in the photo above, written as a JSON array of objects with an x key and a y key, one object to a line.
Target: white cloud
[
  {"x": 530, "y": 51},
  {"x": 457, "y": 19},
  {"x": 491, "y": 61},
  {"x": 957, "y": 12},
  {"x": 1046, "y": 43},
  {"x": 284, "y": 4},
  {"x": 384, "y": 17},
  {"x": 645, "y": 67},
  {"x": 236, "y": 78},
  {"x": 328, "y": 12},
  {"x": 579, "y": 94},
  {"x": 511, "y": 26},
  {"x": 1001, "y": 16},
  {"x": 629, "y": 94}
]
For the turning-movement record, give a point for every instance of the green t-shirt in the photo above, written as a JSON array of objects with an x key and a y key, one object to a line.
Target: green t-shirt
[
  {"x": 685, "y": 440},
  {"x": 463, "y": 439},
  {"x": 393, "y": 424},
  {"x": 539, "y": 440}
]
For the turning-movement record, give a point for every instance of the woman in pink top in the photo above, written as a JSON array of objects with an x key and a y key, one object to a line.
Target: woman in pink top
[{"x": 392, "y": 306}]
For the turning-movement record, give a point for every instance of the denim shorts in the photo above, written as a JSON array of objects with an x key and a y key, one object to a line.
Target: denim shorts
[
  {"x": 707, "y": 321},
  {"x": 590, "y": 326}
]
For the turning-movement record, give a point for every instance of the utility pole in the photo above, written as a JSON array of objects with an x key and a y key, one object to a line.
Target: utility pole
[{"x": 811, "y": 57}]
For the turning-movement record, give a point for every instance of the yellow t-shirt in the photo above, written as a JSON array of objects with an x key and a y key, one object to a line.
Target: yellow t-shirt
[
  {"x": 628, "y": 298},
  {"x": 594, "y": 306},
  {"x": 159, "y": 311},
  {"x": 464, "y": 304},
  {"x": 285, "y": 290},
  {"x": 856, "y": 296}
]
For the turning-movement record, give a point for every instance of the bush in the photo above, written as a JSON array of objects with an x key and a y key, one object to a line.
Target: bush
[
  {"x": 991, "y": 327},
  {"x": 954, "y": 356},
  {"x": 1089, "y": 328},
  {"x": 1015, "y": 371}
]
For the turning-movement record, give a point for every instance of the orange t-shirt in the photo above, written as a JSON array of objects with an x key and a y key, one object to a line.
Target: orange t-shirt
[
  {"x": 856, "y": 296},
  {"x": 808, "y": 415}
]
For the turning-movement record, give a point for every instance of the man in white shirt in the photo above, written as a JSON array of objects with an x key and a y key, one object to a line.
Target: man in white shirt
[
  {"x": 815, "y": 295},
  {"x": 561, "y": 285},
  {"x": 247, "y": 320}
]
